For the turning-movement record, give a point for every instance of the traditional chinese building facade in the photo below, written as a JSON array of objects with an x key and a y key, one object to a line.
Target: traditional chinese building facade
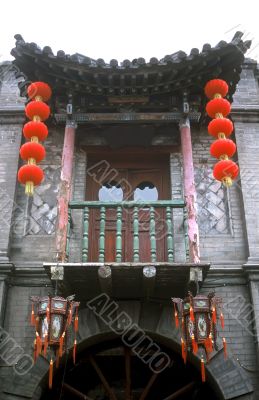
[{"x": 127, "y": 217}]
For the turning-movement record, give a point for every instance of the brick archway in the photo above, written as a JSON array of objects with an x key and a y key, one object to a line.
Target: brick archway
[{"x": 226, "y": 378}]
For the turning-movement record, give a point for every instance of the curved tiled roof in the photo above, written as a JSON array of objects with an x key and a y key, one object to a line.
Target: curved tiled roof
[{"x": 174, "y": 72}]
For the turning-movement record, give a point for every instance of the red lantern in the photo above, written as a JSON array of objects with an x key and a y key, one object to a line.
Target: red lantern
[
  {"x": 39, "y": 91},
  {"x": 216, "y": 87},
  {"x": 32, "y": 150},
  {"x": 225, "y": 171},
  {"x": 37, "y": 110},
  {"x": 218, "y": 108},
  {"x": 220, "y": 127},
  {"x": 35, "y": 129},
  {"x": 222, "y": 148},
  {"x": 30, "y": 175}
]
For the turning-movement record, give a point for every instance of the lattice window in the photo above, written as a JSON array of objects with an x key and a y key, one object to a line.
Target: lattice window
[{"x": 212, "y": 203}]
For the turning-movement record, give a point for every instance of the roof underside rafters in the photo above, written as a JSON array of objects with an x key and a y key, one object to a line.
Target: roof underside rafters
[{"x": 173, "y": 74}]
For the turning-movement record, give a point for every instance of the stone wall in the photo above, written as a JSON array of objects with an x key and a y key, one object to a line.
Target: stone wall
[{"x": 33, "y": 235}]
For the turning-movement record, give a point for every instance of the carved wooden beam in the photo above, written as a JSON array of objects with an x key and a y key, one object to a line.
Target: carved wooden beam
[
  {"x": 127, "y": 352},
  {"x": 76, "y": 392},
  {"x": 148, "y": 387},
  {"x": 181, "y": 391},
  {"x": 103, "y": 379}
]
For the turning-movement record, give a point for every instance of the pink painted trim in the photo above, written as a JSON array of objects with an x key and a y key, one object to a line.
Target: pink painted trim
[
  {"x": 65, "y": 191},
  {"x": 190, "y": 191}
]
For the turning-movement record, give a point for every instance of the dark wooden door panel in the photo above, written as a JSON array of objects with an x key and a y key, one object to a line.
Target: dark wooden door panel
[{"x": 129, "y": 176}]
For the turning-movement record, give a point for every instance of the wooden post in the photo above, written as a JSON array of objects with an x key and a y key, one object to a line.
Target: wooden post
[
  {"x": 189, "y": 190},
  {"x": 65, "y": 189}
]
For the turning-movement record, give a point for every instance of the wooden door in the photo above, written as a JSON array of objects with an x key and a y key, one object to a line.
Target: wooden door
[{"x": 127, "y": 178}]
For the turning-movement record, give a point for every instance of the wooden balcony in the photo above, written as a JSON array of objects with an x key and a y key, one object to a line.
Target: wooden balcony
[
  {"x": 160, "y": 275},
  {"x": 151, "y": 222}
]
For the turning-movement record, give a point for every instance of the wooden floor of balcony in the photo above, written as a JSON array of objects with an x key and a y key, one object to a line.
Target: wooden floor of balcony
[{"x": 153, "y": 281}]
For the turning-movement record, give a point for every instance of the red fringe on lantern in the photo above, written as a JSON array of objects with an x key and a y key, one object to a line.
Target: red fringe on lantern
[
  {"x": 69, "y": 319},
  {"x": 194, "y": 345},
  {"x": 76, "y": 321},
  {"x": 50, "y": 373},
  {"x": 209, "y": 344},
  {"x": 57, "y": 358},
  {"x": 222, "y": 321},
  {"x": 45, "y": 344},
  {"x": 225, "y": 347},
  {"x": 61, "y": 342},
  {"x": 74, "y": 352},
  {"x": 39, "y": 344},
  {"x": 35, "y": 350},
  {"x": 203, "y": 374},
  {"x": 176, "y": 319},
  {"x": 184, "y": 352},
  {"x": 214, "y": 315},
  {"x": 48, "y": 313},
  {"x": 191, "y": 314},
  {"x": 32, "y": 315}
]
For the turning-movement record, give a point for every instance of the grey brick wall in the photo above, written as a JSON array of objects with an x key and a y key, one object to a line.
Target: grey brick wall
[{"x": 228, "y": 249}]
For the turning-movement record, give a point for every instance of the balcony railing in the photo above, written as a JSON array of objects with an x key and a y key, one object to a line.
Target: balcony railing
[{"x": 152, "y": 214}]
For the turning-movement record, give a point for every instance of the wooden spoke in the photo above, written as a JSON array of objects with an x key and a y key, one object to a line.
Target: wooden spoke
[
  {"x": 148, "y": 387},
  {"x": 103, "y": 379},
  {"x": 128, "y": 373},
  {"x": 181, "y": 391},
  {"x": 76, "y": 392}
]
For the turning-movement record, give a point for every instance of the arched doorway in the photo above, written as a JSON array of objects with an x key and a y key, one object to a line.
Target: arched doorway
[{"x": 111, "y": 370}]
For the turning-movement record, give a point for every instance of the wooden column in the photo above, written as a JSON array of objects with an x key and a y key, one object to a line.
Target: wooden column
[
  {"x": 65, "y": 189},
  {"x": 189, "y": 190}
]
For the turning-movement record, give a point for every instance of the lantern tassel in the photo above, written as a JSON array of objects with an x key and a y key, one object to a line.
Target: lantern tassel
[
  {"x": 194, "y": 345},
  {"x": 45, "y": 344},
  {"x": 222, "y": 321},
  {"x": 50, "y": 374},
  {"x": 35, "y": 351},
  {"x": 48, "y": 313},
  {"x": 225, "y": 347},
  {"x": 176, "y": 319},
  {"x": 214, "y": 315},
  {"x": 32, "y": 315},
  {"x": 76, "y": 321},
  {"x": 184, "y": 353},
  {"x": 191, "y": 314},
  {"x": 57, "y": 358},
  {"x": 39, "y": 344},
  {"x": 61, "y": 342},
  {"x": 203, "y": 375},
  {"x": 69, "y": 319},
  {"x": 74, "y": 352},
  {"x": 209, "y": 344}
]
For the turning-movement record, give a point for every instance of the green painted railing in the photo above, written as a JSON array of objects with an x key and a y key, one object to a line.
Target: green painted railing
[{"x": 135, "y": 206}]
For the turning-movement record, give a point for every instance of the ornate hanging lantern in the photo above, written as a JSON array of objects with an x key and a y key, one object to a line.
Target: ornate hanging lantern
[
  {"x": 221, "y": 127},
  {"x": 31, "y": 175},
  {"x": 52, "y": 317},
  {"x": 198, "y": 316}
]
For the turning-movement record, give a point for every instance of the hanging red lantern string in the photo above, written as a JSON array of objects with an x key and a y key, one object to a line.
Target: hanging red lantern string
[
  {"x": 223, "y": 148},
  {"x": 221, "y": 127},
  {"x": 39, "y": 90},
  {"x": 226, "y": 171},
  {"x": 30, "y": 176},
  {"x": 34, "y": 131}
]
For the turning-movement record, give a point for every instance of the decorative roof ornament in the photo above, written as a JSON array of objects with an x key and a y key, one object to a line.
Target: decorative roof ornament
[
  {"x": 218, "y": 108},
  {"x": 197, "y": 317}
]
